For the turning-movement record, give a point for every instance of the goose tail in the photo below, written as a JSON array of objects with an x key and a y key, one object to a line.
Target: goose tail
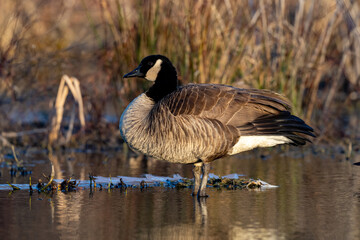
[{"x": 284, "y": 124}]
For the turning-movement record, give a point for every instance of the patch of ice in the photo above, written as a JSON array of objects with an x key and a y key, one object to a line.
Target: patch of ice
[
  {"x": 211, "y": 175},
  {"x": 266, "y": 185},
  {"x": 149, "y": 179},
  {"x": 233, "y": 176},
  {"x": 152, "y": 178},
  {"x": 230, "y": 176}
]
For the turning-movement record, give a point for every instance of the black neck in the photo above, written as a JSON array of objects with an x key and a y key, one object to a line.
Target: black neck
[{"x": 165, "y": 83}]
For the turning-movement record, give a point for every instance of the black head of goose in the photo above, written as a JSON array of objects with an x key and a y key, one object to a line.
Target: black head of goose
[{"x": 199, "y": 123}]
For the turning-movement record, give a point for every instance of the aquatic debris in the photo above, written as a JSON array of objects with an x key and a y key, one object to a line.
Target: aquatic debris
[
  {"x": 13, "y": 186},
  {"x": 40, "y": 184},
  {"x": 30, "y": 187},
  {"x": 69, "y": 186},
  {"x": 143, "y": 185},
  {"x": 121, "y": 184},
  {"x": 230, "y": 182},
  {"x": 185, "y": 183},
  {"x": 233, "y": 184},
  {"x": 92, "y": 179},
  {"x": 254, "y": 184},
  {"x": 50, "y": 178},
  {"x": 18, "y": 166}
]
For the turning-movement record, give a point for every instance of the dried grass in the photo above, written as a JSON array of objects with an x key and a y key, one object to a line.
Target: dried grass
[
  {"x": 282, "y": 45},
  {"x": 307, "y": 50},
  {"x": 66, "y": 83}
]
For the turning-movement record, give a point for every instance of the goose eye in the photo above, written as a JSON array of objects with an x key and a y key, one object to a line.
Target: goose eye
[{"x": 150, "y": 63}]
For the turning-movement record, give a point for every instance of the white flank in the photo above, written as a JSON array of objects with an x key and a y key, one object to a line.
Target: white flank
[
  {"x": 152, "y": 73},
  {"x": 246, "y": 143}
]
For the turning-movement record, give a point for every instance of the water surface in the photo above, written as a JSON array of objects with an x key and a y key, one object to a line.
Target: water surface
[{"x": 318, "y": 198}]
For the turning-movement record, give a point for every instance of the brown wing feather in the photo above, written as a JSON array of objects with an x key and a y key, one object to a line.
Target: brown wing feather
[
  {"x": 234, "y": 112},
  {"x": 229, "y": 105}
]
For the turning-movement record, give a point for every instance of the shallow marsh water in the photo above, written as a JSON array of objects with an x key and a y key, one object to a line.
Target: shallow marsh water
[{"x": 318, "y": 198}]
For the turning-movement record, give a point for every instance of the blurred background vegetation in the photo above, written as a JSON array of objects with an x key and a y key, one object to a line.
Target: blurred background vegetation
[{"x": 307, "y": 50}]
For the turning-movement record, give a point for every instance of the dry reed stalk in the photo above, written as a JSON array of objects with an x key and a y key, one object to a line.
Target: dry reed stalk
[
  {"x": 59, "y": 110},
  {"x": 337, "y": 80},
  {"x": 74, "y": 86},
  {"x": 352, "y": 16},
  {"x": 266, "y": 40},
  {"x": 108, "y": 17},
  {"x": 318, "y": 59},
  {"x": 18, "y": 163},
  {"x": 298, "y": 19},
  {"x": 320, "y": 48},
  {"x": 280, "y": 35},
  {"x": 309, "y": 18},
  {"x": 5, "y": 142},
  {"x": 313, "y": 91},
  {"x": 352, "y": 66}
]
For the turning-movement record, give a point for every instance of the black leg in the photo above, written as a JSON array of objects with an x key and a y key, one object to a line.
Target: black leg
[
  {"x": 197, "y": 174},
  {"x": 205, "y": 172}
]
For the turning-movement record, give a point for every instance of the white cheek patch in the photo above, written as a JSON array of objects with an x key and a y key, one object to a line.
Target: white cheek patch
[{"x": 152, "y": 73}]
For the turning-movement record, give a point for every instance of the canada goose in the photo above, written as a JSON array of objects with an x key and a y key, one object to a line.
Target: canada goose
[{"x": 199, "y": 123}]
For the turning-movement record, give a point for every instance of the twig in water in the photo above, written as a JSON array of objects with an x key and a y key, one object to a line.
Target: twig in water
[
  {"x": 51, "y": 178},
  {"x": 13, "y": 186}
]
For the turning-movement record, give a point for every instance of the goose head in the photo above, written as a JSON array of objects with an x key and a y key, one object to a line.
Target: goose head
[{"x": 157, "y": 69}]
